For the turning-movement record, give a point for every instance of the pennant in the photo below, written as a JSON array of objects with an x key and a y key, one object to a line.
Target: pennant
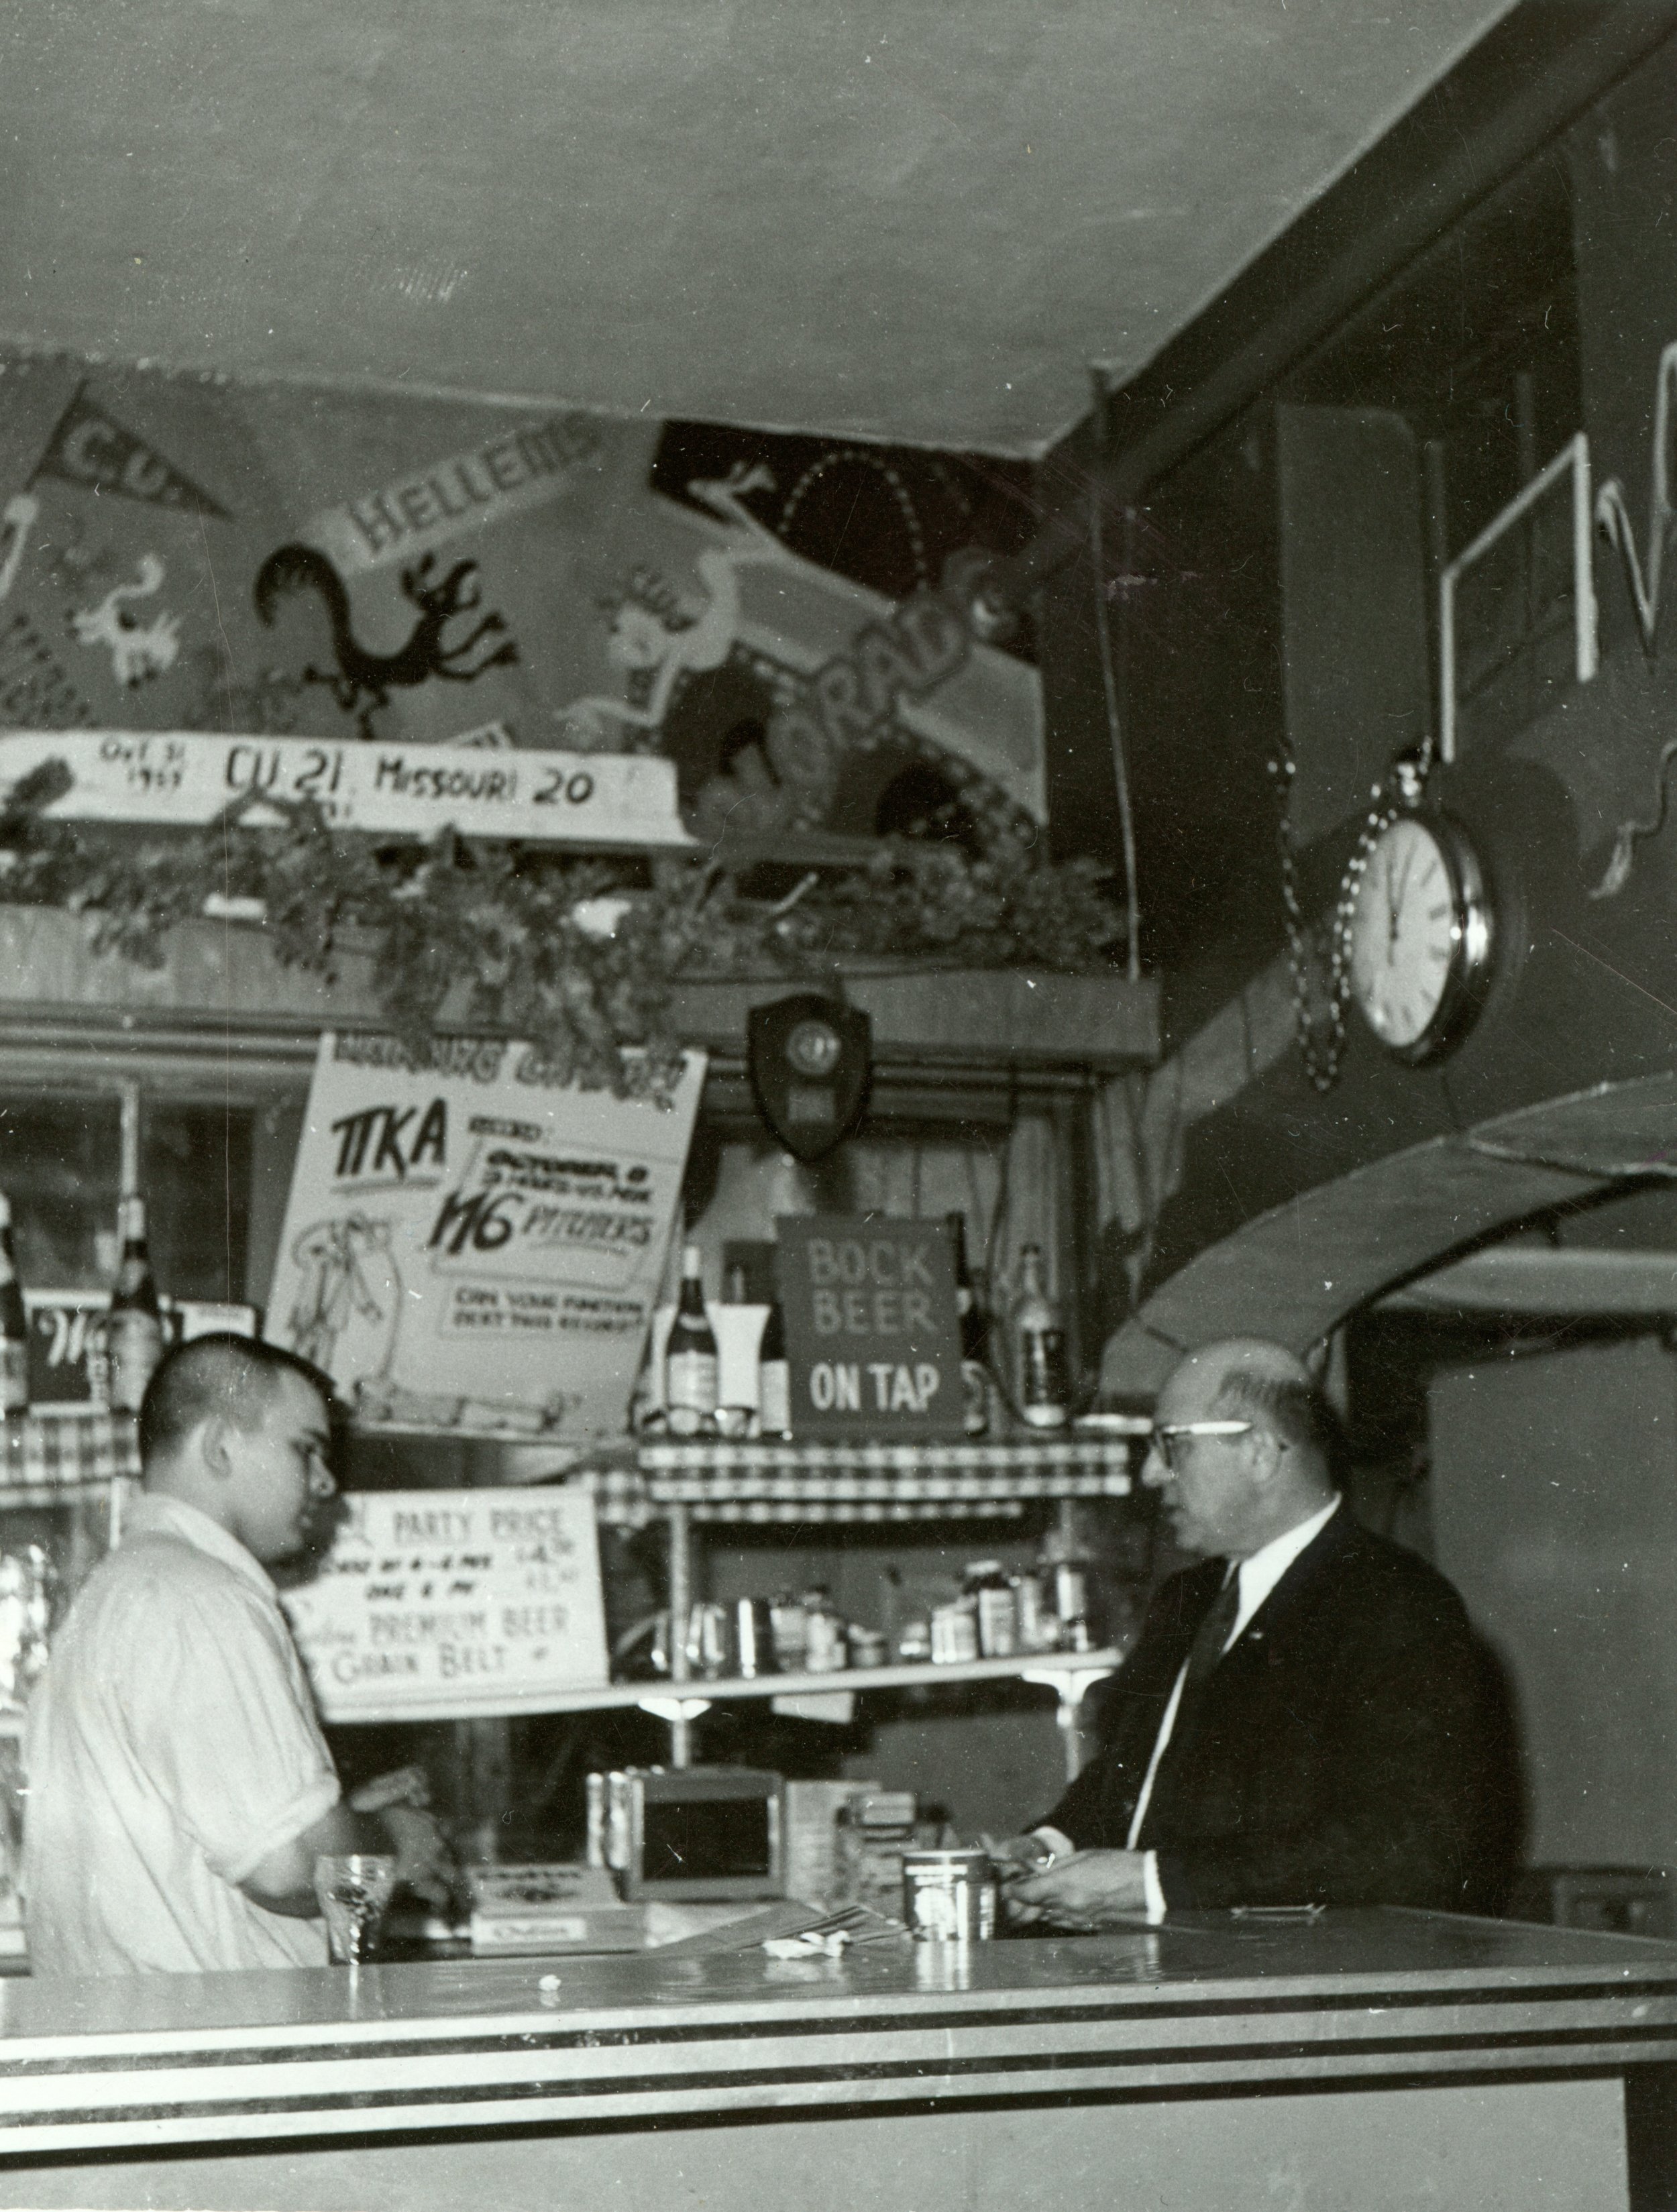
[{"x": 90, "y": 448}]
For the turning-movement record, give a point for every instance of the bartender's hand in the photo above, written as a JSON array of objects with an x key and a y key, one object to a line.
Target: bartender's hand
[
  {"x": 408, "y": 1785},
  {"x": 423, "y": 1860},
  {"x": 1088, "y": 1890}
]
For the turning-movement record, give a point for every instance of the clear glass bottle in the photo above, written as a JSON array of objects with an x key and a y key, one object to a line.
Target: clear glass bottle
[
  {"x": 1068, "y": 1569},
  {"x": 691, "y": 1371},
  {"x": 1042, "y": 1371},
  {"x": 135, "y": 1329}
]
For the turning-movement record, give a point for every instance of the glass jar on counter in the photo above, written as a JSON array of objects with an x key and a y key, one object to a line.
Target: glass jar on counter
[
  {"x": 788, "y": 1630},
  {"x": 995, "y": 1609},
  {"x": 826, "y": 1645}
]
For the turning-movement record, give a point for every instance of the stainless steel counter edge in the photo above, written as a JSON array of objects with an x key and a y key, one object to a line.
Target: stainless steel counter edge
[{"x": 1203, "y": 2007}]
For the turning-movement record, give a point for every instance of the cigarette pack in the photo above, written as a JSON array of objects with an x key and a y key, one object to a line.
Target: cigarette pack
[{"x": 552, "y": 1907}]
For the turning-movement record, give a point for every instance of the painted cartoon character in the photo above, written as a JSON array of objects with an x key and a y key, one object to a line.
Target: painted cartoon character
[
  {"x": 138, "y": 650},
  {"x": 363, "y": 681},
  {"x": 656, "y": 640},
  {"x": 347, "y": 1305}
]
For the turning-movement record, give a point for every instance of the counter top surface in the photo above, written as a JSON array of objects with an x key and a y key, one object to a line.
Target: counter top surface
[
  {"x": 1207, "y": 2002},
  {"x": 1199, "y": 1959}
]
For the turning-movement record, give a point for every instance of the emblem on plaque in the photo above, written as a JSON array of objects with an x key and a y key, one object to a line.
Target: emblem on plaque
[{"x": 810, "y": 1061}]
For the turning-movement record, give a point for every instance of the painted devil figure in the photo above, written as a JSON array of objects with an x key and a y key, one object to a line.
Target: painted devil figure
[{"x": 363, "y": 681}]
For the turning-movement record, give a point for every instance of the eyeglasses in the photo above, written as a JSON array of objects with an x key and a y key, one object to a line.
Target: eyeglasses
[{"x": 1168, "y": 1435}]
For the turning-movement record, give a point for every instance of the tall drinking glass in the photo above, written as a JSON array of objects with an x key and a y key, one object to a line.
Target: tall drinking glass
[{"x": 354, "y": 1890}]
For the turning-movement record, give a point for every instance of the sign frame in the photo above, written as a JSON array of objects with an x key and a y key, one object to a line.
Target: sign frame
[
  {"x": 409, "y": 1574},
  {"x": 872, "y": 1333}
]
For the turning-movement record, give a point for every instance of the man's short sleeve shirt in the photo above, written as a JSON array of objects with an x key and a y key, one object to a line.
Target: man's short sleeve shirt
[{"x": 172, "y": 1745}]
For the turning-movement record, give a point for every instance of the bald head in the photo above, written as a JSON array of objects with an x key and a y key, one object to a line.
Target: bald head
[{"x": 1234, "y": 1492}]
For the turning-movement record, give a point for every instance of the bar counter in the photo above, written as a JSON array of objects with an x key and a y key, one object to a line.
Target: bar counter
[{"x": 1368, "y": 2059}]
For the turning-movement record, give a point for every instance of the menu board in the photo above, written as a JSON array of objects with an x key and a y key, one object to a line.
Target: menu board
[
  {"x": 873, "y": 1338},
  {"x": 471, "y": 1243},
  {"x": 453, "y": 1605}
]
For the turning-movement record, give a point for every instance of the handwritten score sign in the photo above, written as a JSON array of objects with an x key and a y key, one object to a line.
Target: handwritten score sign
[
  {"x": 186, "y": 777},
  {"x": 873, "y": 1344},
  {"x": 471, "y": 1243},
  {"x": 454, "y": 1604}
]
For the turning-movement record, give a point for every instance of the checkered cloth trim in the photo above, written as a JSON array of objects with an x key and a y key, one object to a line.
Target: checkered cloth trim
[
  {"x": 853, "y": 1482},
  {"x": 764, "y": 1511},
  {"x": 1022, "y": 1457},
  {"x": 845, "y": 1487},
  {"x": 71, "y": 1451},
  {"x": 623, "y": 1501}
]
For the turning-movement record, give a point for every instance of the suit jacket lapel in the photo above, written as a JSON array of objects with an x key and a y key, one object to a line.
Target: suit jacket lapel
[{"x": 1320, "y": 1557}]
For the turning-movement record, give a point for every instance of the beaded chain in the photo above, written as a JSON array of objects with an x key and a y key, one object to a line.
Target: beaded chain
[{"x": 1398, "y": 792}]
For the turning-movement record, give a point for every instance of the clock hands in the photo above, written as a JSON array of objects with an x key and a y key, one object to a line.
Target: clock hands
[{"x": 1394, "y": 893}]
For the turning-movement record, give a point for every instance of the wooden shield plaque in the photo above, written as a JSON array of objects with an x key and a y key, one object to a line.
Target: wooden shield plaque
[{"x": 810, "y": 1059}]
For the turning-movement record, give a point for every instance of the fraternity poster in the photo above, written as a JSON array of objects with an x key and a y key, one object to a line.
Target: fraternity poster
[
  {"x": 471, "y": 1245},
  {"x": 453, "y": 1605},
  {"x": 775, "y": 620}
]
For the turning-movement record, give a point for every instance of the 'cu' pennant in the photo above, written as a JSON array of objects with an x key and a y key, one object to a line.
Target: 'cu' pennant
[{"x": 90, "y": 449}]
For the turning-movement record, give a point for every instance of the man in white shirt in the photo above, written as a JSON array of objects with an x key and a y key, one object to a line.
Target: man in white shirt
[
  {"x": 1307, "y": 1717},
  {"x": 179, "y": 1788}
]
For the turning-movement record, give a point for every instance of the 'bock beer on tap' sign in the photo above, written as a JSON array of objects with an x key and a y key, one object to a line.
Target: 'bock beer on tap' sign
[{"x": 873, "y": 1342}]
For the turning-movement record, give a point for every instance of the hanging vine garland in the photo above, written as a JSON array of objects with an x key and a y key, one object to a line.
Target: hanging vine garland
[{"x": 580, "y": 955}]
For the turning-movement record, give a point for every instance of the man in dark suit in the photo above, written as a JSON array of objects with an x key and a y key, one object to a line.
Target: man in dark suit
[{"x": 1307, "y": 1717}]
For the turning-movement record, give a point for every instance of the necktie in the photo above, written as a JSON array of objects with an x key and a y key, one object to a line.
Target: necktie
[
  {"x": 1204, "y": 1653},
  {"x": 1207, "y": 1648}
]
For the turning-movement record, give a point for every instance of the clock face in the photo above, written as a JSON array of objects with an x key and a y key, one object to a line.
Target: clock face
[{"x": 1419, "y": 936}]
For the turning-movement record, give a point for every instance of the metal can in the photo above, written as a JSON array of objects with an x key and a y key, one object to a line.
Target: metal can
[
  {"x": 709, "y": 1642},
  {"x": 1039, "y": 1628},
  {"x": 998, "y": 1618},
  {"x": 949, "y": 1897},
  {"x": 753, "y": 1637},
  {"x": 954, "y": 1634},
  {"x": 595, "y": 1789},
  {"x": 618, "y": 1823}
]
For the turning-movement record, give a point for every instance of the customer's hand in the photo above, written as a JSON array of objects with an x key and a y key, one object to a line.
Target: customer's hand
[
  {"x": 1086, "y": 1891},
  {"x": 423, "y": 1860},
  {"x": 1016, "y": 1857}
]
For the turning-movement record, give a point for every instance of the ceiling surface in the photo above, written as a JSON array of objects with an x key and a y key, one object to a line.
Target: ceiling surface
[{"x": 901, "y": 219}]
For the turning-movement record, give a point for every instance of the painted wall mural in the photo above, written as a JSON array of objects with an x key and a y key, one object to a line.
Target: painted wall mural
[{"x": 766, "y": 612}]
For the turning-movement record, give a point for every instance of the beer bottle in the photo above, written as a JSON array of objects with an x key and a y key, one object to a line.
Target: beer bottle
[
  {"x": 136, "y": 1327},
  {"x": 1042, "y": 1373},
  {"x": 14, "y": 1325},
  {"x": 691, "y": 1366},
  {"x": 974, "y": 1337},
  {"x": 774, "y": 1377}
]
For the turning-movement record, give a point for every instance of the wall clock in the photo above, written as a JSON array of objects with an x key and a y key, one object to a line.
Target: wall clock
[{"x": 1420, "y": 936}]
